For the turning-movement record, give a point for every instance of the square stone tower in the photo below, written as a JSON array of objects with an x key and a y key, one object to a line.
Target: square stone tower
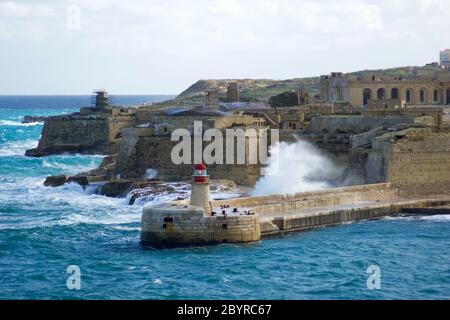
[
  {"x": 233, "y": 92},
  {"x": 212, "y": 99}
]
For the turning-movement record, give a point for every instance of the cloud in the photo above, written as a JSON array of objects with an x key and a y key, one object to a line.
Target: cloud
[
  {"x": 17, "y": 10},
  {"x": 165, "y": 45}
]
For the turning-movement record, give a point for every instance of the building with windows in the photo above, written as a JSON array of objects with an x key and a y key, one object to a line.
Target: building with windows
[
  {"x": 412, "y": 90},
  {"x": 444, "y": 58}
]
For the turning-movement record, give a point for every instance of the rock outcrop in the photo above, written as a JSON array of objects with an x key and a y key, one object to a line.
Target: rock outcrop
[
  {"x": 55, "y": 181},
  {"x": 33, "y": 119}
]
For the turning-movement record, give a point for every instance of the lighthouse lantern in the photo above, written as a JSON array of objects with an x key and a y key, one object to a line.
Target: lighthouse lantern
[{"x": 200, "y": 174}]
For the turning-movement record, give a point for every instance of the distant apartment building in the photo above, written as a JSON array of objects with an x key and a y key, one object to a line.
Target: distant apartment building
[{"x": 445, "y": 58}]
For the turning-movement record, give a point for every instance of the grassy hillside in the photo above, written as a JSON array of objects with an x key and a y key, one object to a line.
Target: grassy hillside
[{"x": 263, "y": 89}]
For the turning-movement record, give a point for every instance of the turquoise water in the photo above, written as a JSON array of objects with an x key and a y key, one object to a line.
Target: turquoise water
[{"x": 44, "y": 230}]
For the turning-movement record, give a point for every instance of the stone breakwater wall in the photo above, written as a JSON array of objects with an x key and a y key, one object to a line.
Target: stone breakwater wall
[
  {"x": 177, "y": 224},
  {"x": 324, "y": 217},
  {"x": 94, "y": 133}
]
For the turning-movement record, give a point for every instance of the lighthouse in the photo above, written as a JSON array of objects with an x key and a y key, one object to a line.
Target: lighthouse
[{"x": 200, "y": 188}]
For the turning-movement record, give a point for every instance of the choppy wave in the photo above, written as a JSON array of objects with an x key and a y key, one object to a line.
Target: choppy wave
[
  {"x": 11, "y": 123},
  {"x": 17, "y": 148},
  {"x": 69, "y": 163},
  {"x": 65, "y": 205}
]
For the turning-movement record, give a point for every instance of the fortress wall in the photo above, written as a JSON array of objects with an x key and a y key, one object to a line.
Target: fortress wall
[
  {"x": 353, "y": 124},
  {"x": 434, "y": 112},
  {"x": 421, "y": 163},
  {"x": 140, "y": 150},
  {"x": 117, "y": 123},
  {"x": 85, "y": 132},
  {"x": 82, "y": 133},
  {"x": 416, "y": 161},
  {"x": 217, "y": 122}
]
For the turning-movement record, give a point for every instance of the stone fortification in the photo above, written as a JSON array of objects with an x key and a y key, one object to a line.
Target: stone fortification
[
  {"x": 142, "y": 150},
  {"x": 85, "y": 132},
  {"x": 416, "y": 160}
]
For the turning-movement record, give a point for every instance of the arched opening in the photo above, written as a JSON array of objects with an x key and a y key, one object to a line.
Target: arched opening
[
  {"x": 423, "y": 95},
  {"x": 448, "y": 96},
  {"x": 395, "y": 93},
  {"x": 409, "y": 95},
  {"x": 381, "y": 94},
  {"x": 367, "y": 95},
  {"x": 436, "y": 96}
]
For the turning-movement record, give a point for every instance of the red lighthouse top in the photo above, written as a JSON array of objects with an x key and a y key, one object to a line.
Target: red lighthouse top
[
  {"x": 200, "y": 175},
  {"x": 200, "y": 166}
]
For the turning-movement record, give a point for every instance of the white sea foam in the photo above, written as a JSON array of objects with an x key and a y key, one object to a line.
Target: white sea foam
[
  {"x": 17, "y": 148},
  {"x": 296, "y": 167},
  {"x": 10, "y": 123},
  {"x": 55, "y": 162},
  {"x": 65, "y": 205},
  {"x": 436, "y": 218}
]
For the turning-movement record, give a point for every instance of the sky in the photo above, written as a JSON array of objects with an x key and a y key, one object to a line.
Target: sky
[{"x": 164, "y": 46}]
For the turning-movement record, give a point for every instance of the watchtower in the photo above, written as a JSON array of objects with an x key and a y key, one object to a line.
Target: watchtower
[{"x": 100, "y": 99}]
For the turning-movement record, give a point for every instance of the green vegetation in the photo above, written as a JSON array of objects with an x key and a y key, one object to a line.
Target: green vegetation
[{"x": 264, "y": 89}]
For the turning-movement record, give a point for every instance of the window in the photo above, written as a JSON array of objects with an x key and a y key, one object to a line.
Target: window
[
  {"x": 381, "y": 94},
  {"x": 395, "y": 93},
  {"x": 423, "y": 95},
  {"x": 435, "y": 95},
  {"x": 409, "y": 94}
]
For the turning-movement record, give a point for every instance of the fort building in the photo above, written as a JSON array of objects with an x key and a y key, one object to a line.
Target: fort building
[
  {"x": 93, "y": 130},
  {"x": 413, "y": 90},
  {"x": 150, "y": 145}
]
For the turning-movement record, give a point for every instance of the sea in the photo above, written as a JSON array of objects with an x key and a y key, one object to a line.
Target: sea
[{"x": 47, "y": 233}]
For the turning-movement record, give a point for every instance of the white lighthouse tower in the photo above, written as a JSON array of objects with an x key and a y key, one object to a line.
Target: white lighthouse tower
[{"x": 200, "y": 188}]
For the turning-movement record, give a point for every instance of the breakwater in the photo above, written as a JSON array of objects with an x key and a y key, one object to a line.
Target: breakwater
[{"x": 250, "y": 219}]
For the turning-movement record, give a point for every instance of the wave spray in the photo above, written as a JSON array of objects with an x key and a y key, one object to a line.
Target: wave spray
[{"x": 296, "y": 167}]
